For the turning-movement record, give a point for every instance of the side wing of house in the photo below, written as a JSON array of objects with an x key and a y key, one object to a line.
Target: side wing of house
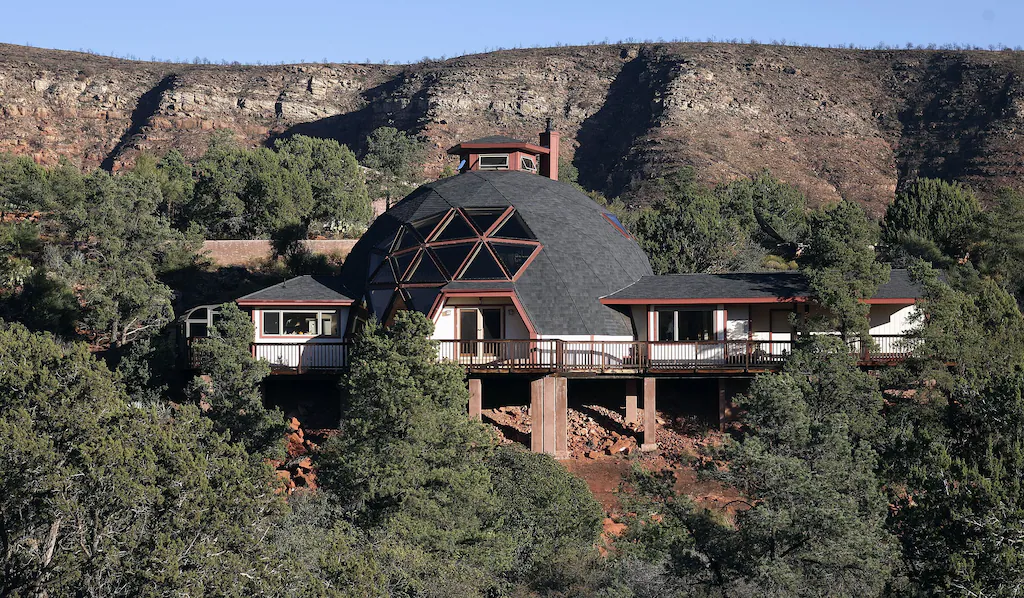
[{"x": 300, "y": 324}]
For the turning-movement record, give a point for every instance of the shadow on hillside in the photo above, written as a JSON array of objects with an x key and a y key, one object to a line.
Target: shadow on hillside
[
  {"x": 607, "y": 137},
  {"x": 385, "y": 107}
]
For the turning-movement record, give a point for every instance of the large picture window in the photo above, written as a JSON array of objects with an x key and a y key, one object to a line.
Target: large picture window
[
  {"x": 686, "y": 325},
  {"x": 300, "y": 323}
]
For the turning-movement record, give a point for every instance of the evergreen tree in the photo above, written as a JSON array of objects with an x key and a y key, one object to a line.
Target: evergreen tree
[
  {"x": 811, "y": 520},
  {"x": 840, "y": 266},
  {"x": 931, "y": 219},
  {"x": 102, "y": 498},
  {"x": 228, "y": 384}
]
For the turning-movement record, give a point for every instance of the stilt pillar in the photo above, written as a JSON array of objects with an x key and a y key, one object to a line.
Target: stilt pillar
[
  {"x": 632, "y": 404},
  {"x": 549, "y": 416},
  {"x": 537, "y": 415},
  {"x": 650, "y": 416},
  {"x": 476, "y": 396},
  {"x": 561, "y": 418},
  {"x": 724, "y": 405}
]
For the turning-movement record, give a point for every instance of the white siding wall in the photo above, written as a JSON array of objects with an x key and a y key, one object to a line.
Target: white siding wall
[{"x": 892, "y": 319}]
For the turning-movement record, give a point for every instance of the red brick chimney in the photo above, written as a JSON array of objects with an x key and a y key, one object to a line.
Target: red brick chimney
[{"x": 549, "y": 161}]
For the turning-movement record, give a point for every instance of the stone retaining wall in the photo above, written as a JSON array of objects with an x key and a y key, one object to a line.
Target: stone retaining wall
[{"x": 243, "y": 253}]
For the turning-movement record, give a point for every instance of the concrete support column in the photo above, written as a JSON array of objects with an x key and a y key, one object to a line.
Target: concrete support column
[
  {"x": 724, "y": 405},
  {"x": 632, "y": 404},
  {"x": 476, "y": 396},
  {"x": 650, "y": 417},
  {"x": 561, "y": 418},
  {"x": 537, "y": 415},
  {"x": 549, "y": 417}
]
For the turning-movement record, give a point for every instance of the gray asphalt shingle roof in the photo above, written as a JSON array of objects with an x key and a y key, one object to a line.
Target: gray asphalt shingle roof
[
  {"x": 753, "y": 285},
  {"x": 302, "y": 288},
  {"x": 583, "y": 255}
]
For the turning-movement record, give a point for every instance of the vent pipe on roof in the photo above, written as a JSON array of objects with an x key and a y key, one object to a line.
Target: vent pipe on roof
[{"x": 549, "y": 162}]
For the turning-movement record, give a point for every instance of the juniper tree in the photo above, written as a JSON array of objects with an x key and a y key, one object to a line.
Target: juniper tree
[
  {"x": 102, "y": 498},
  {"x": 228, "y": 383},
  {"x": 810, "y": 520},
  {"x": 841, "y": 268}
]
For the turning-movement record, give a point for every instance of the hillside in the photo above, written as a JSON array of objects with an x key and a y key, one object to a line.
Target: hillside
[{"x": 850, "y": 123}]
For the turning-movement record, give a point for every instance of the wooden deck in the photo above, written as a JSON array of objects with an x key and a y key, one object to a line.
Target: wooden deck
[{"x": 584, "y": 357}]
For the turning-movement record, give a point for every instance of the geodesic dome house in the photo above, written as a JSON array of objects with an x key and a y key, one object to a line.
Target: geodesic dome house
[
  {"x": 525, "y": 275},
  {"x": 540, "y": 248}
]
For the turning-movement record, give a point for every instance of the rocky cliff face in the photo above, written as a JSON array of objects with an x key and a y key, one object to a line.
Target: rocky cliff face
[{"x": 836, "y": 123}]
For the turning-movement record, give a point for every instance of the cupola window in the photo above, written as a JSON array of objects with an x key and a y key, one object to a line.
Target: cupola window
[
  {"x": 527, "y": 164},
  {"x": 494, "y": 162}
]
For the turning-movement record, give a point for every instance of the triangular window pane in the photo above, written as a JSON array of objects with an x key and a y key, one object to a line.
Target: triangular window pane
[
  {"x": 422, "y": 298},
  {"x": 425, "y": 270},
  {"x": 483, "y": 267},
  {"x": 379, "y": 300},
  {"x": 385, "y": 275},
  {"x": 514, "y": 228},
  {"x": 397, "y": 305},
  {"x": 402, "y": 262},
  {"x": 426, "y": 226},
  {"x": 512, "y": 256},
  {"x": 483, "y": 218},
  {"x": 456, "y": 228},
  {"x": 407, "y": 240},
  {"x": 386, "y": 243},
  {"x": 376, "y": 260},
  {"x": 452, "y": 256}
]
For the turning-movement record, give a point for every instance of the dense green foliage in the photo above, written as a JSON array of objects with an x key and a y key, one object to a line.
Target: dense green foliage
[
  {"x": 750, "y": 224},
  {"x": 812, "y": 520},
  {"x": 227, "y": 383},
  {"x": 101, "y": 498},
  {"x": 448, "y": 505},
  {"x": 841, "y": 267},
  {"x": 931, "y": 219},
  {"x": 396, "y": 162}
]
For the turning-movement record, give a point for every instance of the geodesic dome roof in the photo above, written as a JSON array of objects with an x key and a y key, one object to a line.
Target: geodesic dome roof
[{"x": 553, "y": 246}]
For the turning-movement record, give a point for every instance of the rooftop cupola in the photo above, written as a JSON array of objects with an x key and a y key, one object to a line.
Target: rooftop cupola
[{"x": 497, "y": 152}]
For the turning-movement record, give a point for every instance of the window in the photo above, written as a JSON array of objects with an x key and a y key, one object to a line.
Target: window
[
  {"x": 199, "y": 320},
  {"x": 614, "y": 221},
  {"x": 686, "y": 325},
  {"x": 527, "y": 164},
  {"x": 494, "y": 162},
  {"x": 300, "y": 323}
]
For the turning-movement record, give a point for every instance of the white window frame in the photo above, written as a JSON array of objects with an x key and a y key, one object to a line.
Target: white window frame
[
  {"x": 480, "y": 161},
  {"x": 211, "y": 312},
  {"x": 319, "y": 322},
  {"x": 523, "y": 161}
]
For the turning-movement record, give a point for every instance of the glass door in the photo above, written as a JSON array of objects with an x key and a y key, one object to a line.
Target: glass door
[{"x": 477, "y": 325}]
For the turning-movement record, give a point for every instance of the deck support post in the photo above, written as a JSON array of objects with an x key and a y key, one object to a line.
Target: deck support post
[
  {"x": 549, "y": 416},
  {"x": 724, "y": 406},
  {"x": 650, "y": 417},
  {"x": 475, "y": 398},
  {"x": 632, "y": 404}
]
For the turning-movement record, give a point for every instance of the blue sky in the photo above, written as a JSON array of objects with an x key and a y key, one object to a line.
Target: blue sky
[{"x": 403, "y": 31}]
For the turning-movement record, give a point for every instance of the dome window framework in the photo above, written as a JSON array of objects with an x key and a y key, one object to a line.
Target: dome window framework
[{"x": 410, "y": 267}]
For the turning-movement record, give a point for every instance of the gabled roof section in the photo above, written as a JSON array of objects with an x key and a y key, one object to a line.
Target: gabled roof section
[
  {"x": 318, "y": 290},
  {"x": 747, "y": 287}
]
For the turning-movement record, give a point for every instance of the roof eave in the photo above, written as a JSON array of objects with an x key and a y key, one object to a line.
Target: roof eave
[
  {"x": 288, "y": 302},
  {"x": 529, "y": 147}
]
